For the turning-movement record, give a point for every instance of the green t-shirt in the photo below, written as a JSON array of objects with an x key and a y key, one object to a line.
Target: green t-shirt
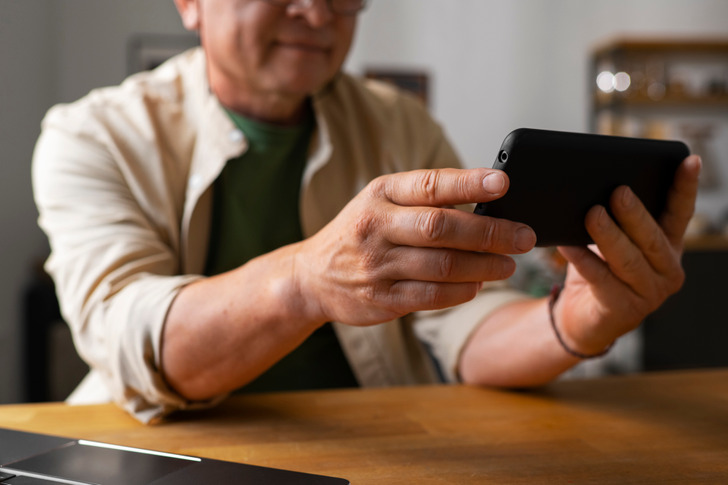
[{"x": 256, "y": 210}]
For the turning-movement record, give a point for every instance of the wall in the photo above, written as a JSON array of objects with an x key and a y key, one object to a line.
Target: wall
[
  {"x": 92, "y": 38},
  {"x": 495, "y": 65},
  {"x": 25, "y": 86},
  {"x": 50, "y": 52}
]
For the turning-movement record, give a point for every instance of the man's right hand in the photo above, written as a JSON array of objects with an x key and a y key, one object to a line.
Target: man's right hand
[{"x": 399, "y": 247}]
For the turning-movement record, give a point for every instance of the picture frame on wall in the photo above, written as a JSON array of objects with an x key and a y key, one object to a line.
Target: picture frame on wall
[{"x": 416, "y": 82}]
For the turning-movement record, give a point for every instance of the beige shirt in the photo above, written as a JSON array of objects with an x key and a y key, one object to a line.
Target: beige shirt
[{"x": 122, "y": 181}]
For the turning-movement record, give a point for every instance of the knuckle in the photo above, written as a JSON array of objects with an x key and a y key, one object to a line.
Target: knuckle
[
  {"x": 489, "y": 236},
  {"x": 370, "y": 264},
  {"x": 378, "y": 186},
  {"x": 369, "y": 295},
  {"x": 427, "y": 184},
  {"x": 464, "y": 187},
  {"x": 447, "y": 266},
  {"x": 392, "y": 299},
  {"x": 432, "y": 225},
  {"x": 365, "y": 226},
  {"x": 632, "y": 263},
  {"x": 434, "y": 295},
  {"x": 656, "y": 243}
]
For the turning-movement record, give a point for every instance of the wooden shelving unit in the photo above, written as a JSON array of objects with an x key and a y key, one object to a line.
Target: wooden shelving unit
[
  {"x": 707, "y": 242},
  {"x": 664, "y": 78}
]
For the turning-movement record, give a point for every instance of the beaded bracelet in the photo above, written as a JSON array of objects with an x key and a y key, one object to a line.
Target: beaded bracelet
[{"x": 555, "y": 292}]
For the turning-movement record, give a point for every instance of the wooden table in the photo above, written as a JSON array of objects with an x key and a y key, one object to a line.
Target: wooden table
[{"x": 651, "y": 428}]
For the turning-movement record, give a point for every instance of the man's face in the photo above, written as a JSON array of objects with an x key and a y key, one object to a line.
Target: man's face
[{"x": 261, "y": 49}]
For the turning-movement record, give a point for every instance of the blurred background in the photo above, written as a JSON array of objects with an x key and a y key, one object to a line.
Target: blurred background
[{"x": 484, "y": 67}]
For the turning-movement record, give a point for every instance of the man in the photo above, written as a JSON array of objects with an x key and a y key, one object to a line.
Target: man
[{"x": 172, "y": 208}]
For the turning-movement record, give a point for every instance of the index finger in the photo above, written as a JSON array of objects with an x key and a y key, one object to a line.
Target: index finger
[
  {"x": 443, "y": 187},
  {"x": 681, "y": 200}
]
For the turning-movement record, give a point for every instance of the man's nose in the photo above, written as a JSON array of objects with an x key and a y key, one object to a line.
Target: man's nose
[{"x": 317, "y": 12}]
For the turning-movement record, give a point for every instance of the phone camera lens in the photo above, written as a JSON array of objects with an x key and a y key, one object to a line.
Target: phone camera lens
[{"x": 503, "y": 156}]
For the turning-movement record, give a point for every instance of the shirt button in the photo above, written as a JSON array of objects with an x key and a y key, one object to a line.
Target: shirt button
[{"x": 236, "y": 136}]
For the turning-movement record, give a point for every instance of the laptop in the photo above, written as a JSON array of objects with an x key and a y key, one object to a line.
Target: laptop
[{"x": 39, "y": 459}]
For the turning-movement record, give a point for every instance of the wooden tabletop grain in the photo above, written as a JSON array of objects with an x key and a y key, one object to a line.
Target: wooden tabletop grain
[{"x": 665, "y": 428}]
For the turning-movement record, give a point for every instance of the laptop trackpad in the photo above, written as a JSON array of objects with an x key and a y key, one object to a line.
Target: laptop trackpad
[{"x": 97, "y": 463}]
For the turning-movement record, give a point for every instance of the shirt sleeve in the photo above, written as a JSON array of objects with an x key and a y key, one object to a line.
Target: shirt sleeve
[{"x": 116, "y": 270}]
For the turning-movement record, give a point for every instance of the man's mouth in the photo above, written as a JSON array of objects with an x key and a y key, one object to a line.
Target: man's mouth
[{"x": 303, "y": 46}]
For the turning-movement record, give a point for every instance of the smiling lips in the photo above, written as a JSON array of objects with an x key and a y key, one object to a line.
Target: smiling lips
[{"x": 303, "y": 46}]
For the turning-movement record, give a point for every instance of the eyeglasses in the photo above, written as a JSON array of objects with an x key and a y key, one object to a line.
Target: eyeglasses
[{"x": 340, "y": 7}]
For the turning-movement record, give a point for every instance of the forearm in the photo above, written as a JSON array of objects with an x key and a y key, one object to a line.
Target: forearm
[
  {"x": 224, "y": 331},
  {"x": 515, "y": 347}
]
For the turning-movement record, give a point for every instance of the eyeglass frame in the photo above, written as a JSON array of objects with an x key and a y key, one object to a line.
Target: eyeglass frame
[{"x": 307, "y": 3}]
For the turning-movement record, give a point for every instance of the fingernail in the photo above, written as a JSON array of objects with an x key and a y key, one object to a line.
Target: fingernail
[
  {"x": 627, "y": 198},
  {"x": 603, "y": 217},
  {"x": 525, "y": 239},
  {"x": 494, "y": 183},
  {"x": 699, "y": 161}
]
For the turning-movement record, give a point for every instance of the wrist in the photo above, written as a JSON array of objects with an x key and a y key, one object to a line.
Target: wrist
[
  {"x": 297, "y": 285},
  {"x": 281, "y": 289},
  {"x": 572, "y": 347}
]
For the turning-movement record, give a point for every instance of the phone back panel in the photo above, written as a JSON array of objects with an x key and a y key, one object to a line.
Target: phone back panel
[{"x": 556, "y": 177}]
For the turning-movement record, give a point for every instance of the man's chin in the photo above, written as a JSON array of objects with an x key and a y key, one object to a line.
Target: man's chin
[{"x": 304, "y": 86}]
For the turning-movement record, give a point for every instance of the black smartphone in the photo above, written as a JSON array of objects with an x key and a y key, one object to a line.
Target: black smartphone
[{"x": 556, "y": 177}]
